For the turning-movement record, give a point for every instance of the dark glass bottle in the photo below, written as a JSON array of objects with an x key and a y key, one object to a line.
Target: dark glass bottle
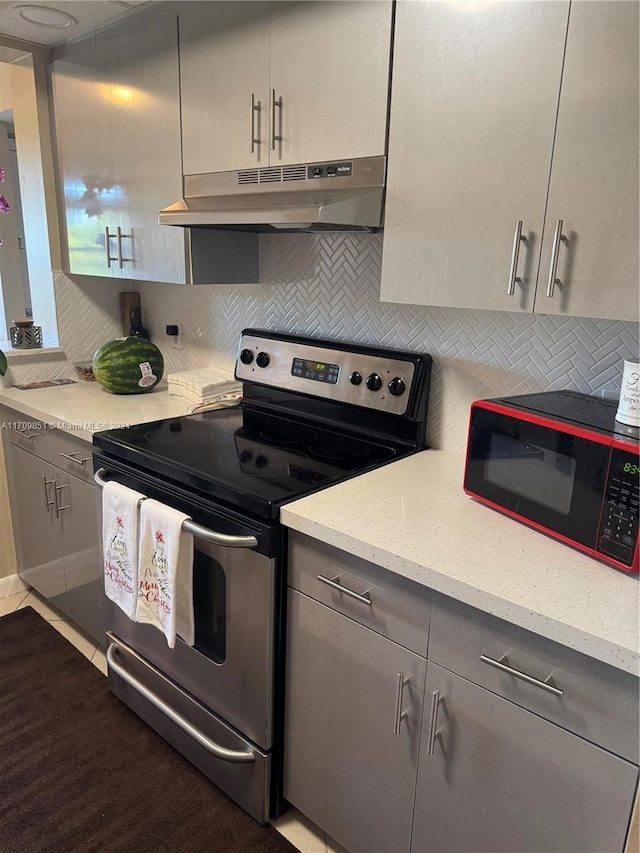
[{"x": 137, "y": 329}]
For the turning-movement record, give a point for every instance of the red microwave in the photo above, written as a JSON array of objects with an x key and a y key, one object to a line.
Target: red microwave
[{"x": 559, "y": 462}]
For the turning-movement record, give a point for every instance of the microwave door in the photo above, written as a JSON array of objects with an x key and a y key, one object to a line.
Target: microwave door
[{"x": 545, "y": 476}]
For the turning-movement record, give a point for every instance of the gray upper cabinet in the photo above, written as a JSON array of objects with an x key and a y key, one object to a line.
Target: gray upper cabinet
[
  {"x": 476, "y": 94},
  {"x": 594, "y": 177},
  {"x": 118, "y": 140},
  {"x": 330, "y": 73},
  {"x": 224, "y": 64},
  {"x": 283, "y": 82}
]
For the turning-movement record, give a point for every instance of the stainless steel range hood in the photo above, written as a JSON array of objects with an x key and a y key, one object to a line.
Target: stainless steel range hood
[{"x": 345, "y": 195}]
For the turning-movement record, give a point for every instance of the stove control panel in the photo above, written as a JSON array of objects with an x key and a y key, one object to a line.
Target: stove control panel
[{"x": 373, "y": 379}]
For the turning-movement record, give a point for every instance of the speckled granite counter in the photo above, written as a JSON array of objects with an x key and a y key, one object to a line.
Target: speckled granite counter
[
  {"x": 413, "y": 518},
  {"x": 86, "y": 407}
]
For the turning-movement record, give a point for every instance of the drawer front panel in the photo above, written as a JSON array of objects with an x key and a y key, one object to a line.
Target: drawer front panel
[
  {"x": 389, "y": 604},
  {"x": 585, "y": 696},
  {"x": 60, "y": 448}
]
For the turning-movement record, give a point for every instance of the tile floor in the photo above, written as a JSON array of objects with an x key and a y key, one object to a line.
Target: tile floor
[{"x": 301, "y": 832}]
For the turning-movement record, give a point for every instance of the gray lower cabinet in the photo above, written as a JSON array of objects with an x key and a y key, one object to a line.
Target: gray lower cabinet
[
  {"x": 512, "y": 744},
  {"x": 353, "y": 709},
  {"x": 496, "y": 778},
  {"x": 55, "y": 524}
]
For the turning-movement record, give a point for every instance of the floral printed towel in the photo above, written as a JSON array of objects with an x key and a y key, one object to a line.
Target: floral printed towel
[
  {"x": 165, "y": 572},
  {"x": 120, "y": 545}
]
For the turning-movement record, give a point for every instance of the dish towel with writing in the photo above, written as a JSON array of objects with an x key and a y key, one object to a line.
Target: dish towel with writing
[
  {"x": 120, "y": 545},
  {"x": 165, "y": 572}
]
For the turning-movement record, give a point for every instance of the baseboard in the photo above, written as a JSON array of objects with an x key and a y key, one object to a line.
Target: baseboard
[{"x": 12, "y": 584}]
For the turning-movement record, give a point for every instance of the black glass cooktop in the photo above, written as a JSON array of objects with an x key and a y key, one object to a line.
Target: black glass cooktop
[{"x": 249, "y": 459}]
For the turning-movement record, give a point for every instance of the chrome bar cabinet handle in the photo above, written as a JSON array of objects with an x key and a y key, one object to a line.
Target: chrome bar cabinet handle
[
  {"x": 334, "y": 583},
  {"x": 400, "y": 714},
  {"x": 275, "y": 103},
  {"x": 555, "y": 252},
  {"x": 198, "y": 530},
  {"x": 119, "y": 238},
  {"x": 72, "y": 457},
  {"x": 29, "y": 435},
  {"x": 45, "y": 484},
  {"x": 57, "y": 489},
  {"x": 107, "y": 246},
  {"x": 232, "y": 755},
  {"x": 434, "y": 733},
  {"x": 515, "y": 252},
  {"x": 503, "y": 665},
  {"x": 253, "y": 109}
]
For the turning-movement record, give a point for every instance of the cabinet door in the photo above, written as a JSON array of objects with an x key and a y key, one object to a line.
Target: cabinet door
[
  {"x": 503, "y": 780},
  {"x": 224, "y": 61},
  {"x": 330, "y": 69},
  {"x": 146, "y": 119},
  {"x": 85, "y": 135},
  {"x": 473, "y": 109},
  {"x": 83, "y": 596},
  {"x": 37, "y": 529},
  {"x": 345, "y": 767},
  {"x": 594, "y": 178}
]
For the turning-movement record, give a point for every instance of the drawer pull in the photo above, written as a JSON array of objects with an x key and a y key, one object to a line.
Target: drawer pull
[
  {"x": 400, "y": 714},
  {"x": 29, "y": 435},
  {"x": 72, "y": 457},
  {"x": 334, "y": 583},
  {"x": 503, "y": 665},
  {"x": 434, "y": 732},
  {"x": 232, "y": 755}
]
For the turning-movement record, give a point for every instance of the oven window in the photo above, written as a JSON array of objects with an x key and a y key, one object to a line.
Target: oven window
[
  {"x": 531, "y": 471},
  {"x": 209, "y": 607}
]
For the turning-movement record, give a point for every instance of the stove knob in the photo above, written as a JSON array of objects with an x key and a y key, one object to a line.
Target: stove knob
[
  {"x": 397, "y": 386},
  {"x": 262, "y": 359},
  {"x": 355, "y": 378},
  {"x": 246, "y": 356},
  {"x": 261, "y": 461},
  {"x": 374, "y": 382}
]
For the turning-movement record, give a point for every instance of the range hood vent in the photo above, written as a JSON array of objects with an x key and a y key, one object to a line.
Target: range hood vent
[
  {"x": 277, "y": 174},
  {"x": 341, "y": 196}
]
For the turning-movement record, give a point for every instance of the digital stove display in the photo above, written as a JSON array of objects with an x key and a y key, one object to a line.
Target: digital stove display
[{"x": 316, "y": 370}]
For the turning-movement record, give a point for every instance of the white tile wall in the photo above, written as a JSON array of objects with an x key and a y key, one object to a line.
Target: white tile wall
[{"x": 328, "y": 285}]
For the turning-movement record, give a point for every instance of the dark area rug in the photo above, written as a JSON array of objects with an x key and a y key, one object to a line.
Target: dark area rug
[{"x": 79, "y": 772}]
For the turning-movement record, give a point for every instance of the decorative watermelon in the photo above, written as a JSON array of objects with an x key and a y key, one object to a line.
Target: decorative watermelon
[{"x": 128, "y": 365}]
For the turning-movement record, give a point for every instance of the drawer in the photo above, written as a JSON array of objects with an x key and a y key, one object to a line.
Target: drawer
[
  {"x": 60, "y": 448},
  {"x": 391, "y": 605},
  {"x": 598, "y": 701}
]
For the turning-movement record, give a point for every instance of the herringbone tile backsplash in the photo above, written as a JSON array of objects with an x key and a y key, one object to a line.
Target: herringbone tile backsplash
[{"x": 328, "y": 286}]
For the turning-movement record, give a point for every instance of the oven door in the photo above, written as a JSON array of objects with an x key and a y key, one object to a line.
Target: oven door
[
  {"x": 213, "y": 701},
  {"x": 538, "y": 471}
]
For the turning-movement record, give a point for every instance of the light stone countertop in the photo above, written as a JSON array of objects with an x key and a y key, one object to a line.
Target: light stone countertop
[
  {"x": 413, "y": 518},
  {"x": 87, "y": 407}
]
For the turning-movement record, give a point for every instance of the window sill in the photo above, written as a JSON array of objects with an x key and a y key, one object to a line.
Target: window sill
[{"x": 36, "y": 352}]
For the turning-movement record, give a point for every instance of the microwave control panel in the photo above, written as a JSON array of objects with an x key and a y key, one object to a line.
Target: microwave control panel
[{"x": 618, "y": 533}]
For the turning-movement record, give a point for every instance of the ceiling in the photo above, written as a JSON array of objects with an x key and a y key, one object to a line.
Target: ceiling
[{"x": 86, "y": 15}]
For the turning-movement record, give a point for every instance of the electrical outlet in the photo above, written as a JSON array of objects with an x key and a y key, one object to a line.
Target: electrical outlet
[{"x": 176, "y": 340}]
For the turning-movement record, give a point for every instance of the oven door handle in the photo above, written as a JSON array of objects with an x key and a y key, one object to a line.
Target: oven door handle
[
  {"x": 198, "y": 530},
  {"x": 232, "y": 755}
]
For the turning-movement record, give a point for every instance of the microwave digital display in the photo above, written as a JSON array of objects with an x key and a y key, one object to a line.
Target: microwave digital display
[{"x": 534, "y": 472}]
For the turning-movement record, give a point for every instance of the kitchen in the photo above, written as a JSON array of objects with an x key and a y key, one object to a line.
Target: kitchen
[{"x": 329, "y": 285}]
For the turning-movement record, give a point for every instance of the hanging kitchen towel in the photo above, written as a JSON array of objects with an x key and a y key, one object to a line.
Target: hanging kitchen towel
[
  {"x": 165, "y": 572},
  {"x": 120, "y": 545}
]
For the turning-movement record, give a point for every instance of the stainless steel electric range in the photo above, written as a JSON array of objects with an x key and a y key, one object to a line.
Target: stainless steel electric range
[{"x": 314, "y": 412}]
